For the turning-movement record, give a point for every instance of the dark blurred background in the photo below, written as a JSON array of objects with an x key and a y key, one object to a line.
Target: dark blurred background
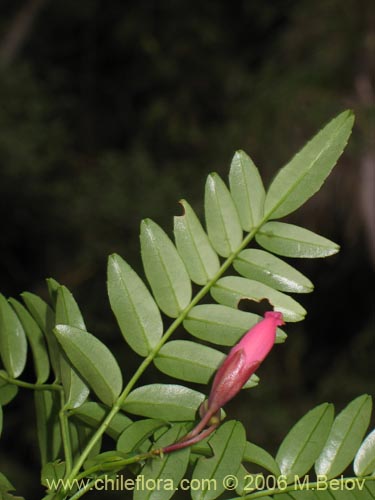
[{"x": 111, "y": 111}]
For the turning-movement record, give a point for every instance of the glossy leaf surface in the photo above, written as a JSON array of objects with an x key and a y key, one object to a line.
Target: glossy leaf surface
[
  {"x": 294, "y": 241},
  {"x": 231, "y": 290},
  {"x": 345, "y": 437},
  {"x": 304, "y": 442},
  {"x": 247, "y": 190},
  {"x": 228, "y": 444},
  {"x": 13, "y": 345},
  {"x": 165, "y": 270},
  {"x": 68, "y": 313},
  {"x": 192, "y": 362},
  {"x": 93, "y": 414},
  {"x": 222, "y": 220},
  {"x": 272, "y": 271},
  {"x": 36, "y": 340},
  {"x": 7, "y": 391},
  {"x": 188, "y": 361},
  {"x": 47, "y": 406},
  {"x": 168, "y": 471},
  {"x": 135, "y": 309},
  {"x": 305, "y": 173},
  {"x": 364, "y": 462},
  {"x": 93, "y": 361},
  {"x": 164, "y": 401},
  {"x": 256, "y": 455},
  {"x": 45, "y": 317},
  {"x": 193, "y": 245},
  {"x": 222, "y": 325},
  {"x": 137, "y": 433}
]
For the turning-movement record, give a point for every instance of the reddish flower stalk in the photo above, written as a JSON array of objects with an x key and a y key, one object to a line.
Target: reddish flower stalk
[{"x": 242, "y": 361}]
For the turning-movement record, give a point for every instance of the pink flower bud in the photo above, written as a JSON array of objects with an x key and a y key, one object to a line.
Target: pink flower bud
[{"x": 242, "y": 361}]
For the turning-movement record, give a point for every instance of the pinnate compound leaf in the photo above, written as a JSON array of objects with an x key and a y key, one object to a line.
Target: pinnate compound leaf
[
  {"x": 294, "y": 241},
  {"x": 230, "y": 290},
  {"x": 167, "y": 471},
  {"x": 93, "y": 361},
  {"x": 93, "y": 414},
  {"x": 193, "y": 245},
  {"x": 7, "y": 391},
  {"x": 247, "y": 190},
  {"x": 136, "y": 312},
  {"x": 192, "y": 362},
  {"x": 68, "y": 313},
  {"x": 45, "y": 317},
  {"x": 256, "y": 455},
  {"x": 222, "y": 220},
  {"x": 345, "y": 437},
  {"x": 272, "y": 271},
  {"x": 13, "y": 345},
  {"x": 364, "y": 462},
  {"x": 228, "y": 445},
  {"x": 36, "y": 340},
  {"x": 164, "y": 401},
  {"x": 222, "y": 325},
  {"x": 304, "y": 442},
  {"x": 165, "y": 270},
  {"x": 134, "y": 436},
  {"x": 305, "y": 173}
]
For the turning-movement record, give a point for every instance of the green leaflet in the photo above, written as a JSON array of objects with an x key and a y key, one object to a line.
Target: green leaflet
[
  {"x": 36, "y": 340},
  {"x": 13, "y": 345},
  {"x": 305, "y": 173},
  {"x": 53, "y": 287},
  {"x": 93, "y": 361},
  {"x": 222, "y": 220},
  {"x": 193, "y": 245},
  {"x": 222, "y": 325},
  {"x": 45, "y": 317},
  {"x": 68, "y": 313},
  {"x": 228, "y": 444},
  {"x": 136, "y": 312},
  {"x": 67, "y": 310},
  {"x": 256, "y": 455},
  {"x": 52, "y": 471},
  {"x": 345, "y": 437},
  {"x": 47, "y": 406},
  {"x": 364, "y": 462},
  {"x": 247, "y": 190},
  {"x": 294, "y": 241},
  {"x": 93, "y": 414},
  {"x": 164, "y": 401},
  {"x": 7, "y": 391},
  {"x": 165, "y": 270},
  {"x": 231, "y": 290},
  {"x": 135, "y": 436},
  {"x": 192, "y": 362},
  {"x": 272, "y": 271},
  {"x": 304, "y": 442},
  {"x": 168, "y": 471}
]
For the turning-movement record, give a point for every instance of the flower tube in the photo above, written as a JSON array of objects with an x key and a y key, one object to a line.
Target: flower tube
[{"x": 241, "y": 362}]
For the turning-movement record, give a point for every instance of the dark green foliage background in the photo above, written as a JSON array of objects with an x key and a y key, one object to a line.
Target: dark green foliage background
[{"x": 111, "y": 111}]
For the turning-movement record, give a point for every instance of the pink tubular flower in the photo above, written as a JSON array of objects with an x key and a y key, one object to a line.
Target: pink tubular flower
[{"x": 242, "y": 361}]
